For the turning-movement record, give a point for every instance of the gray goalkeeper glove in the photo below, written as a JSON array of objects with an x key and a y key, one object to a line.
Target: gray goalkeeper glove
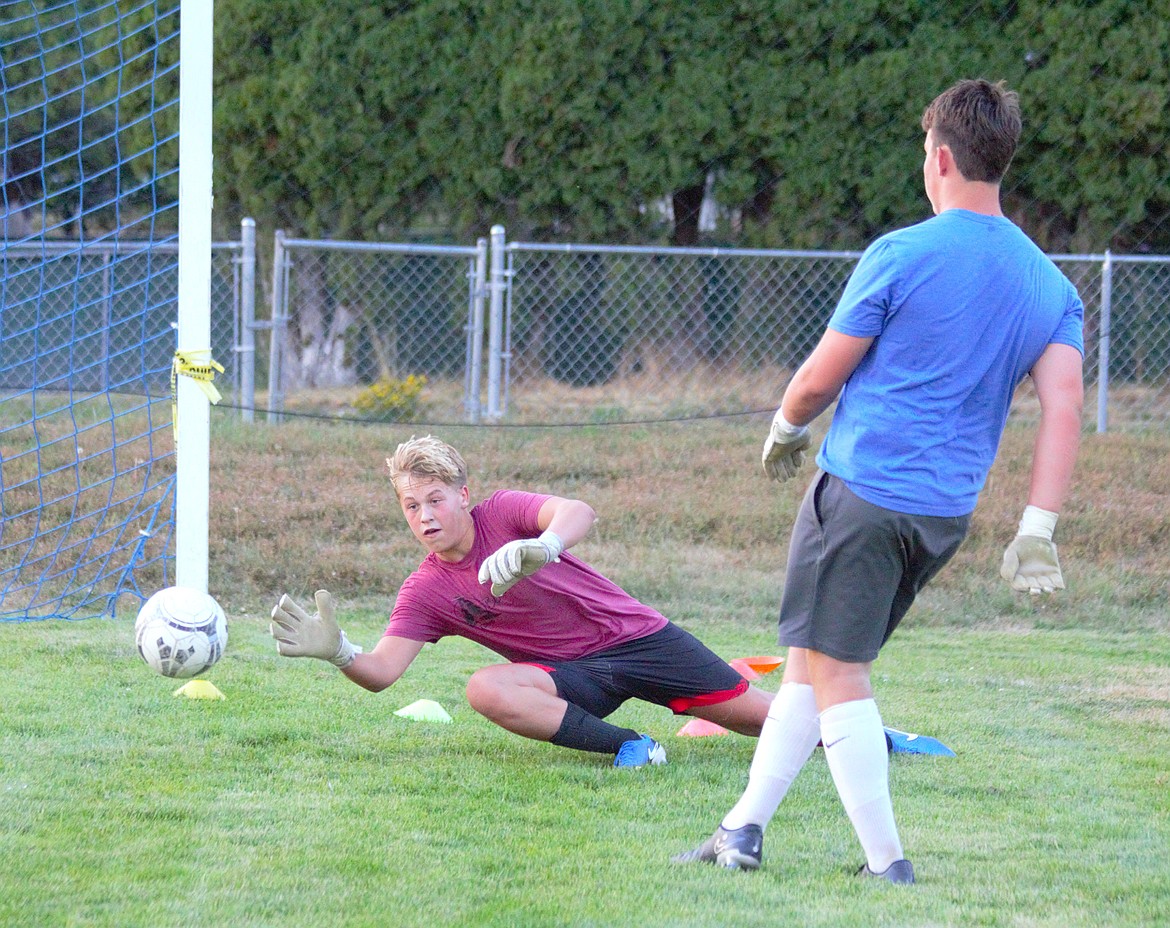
[
  {"x": 519, "y": 559},
  {"x": 298, "y": 634},
  {"x": 784, "y": 447},
  {"x": 1030, "y": 563}
]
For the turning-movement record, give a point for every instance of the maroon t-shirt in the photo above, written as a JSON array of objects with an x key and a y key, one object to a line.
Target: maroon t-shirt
[{"x": 563, "y": 611}]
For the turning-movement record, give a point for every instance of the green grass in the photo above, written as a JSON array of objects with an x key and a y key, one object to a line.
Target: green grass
[{"x": 302, "y": 800}]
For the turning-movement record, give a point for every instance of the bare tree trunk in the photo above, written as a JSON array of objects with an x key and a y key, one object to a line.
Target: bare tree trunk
[
  {"x": 381, "y": 347},
  {"x": 687, "y": 205},
  {"x": 321, "y": 328}
]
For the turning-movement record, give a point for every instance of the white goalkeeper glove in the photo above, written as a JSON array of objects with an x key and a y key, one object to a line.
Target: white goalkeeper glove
[
  {"x": 784, "y": 447},
  {"x": 298, "y": 634},
  {"x": 519, "y": 559},
  {"x": 1030, "y": 563}
]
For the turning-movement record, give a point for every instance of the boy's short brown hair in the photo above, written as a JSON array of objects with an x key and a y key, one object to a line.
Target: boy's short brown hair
[{"x": 980, "y": 123}]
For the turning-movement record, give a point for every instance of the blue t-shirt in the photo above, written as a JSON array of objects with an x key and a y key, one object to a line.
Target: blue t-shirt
[{"x": 960, "y": 308}]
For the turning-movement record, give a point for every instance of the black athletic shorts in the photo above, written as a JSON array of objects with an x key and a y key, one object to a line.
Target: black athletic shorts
[
  {"x": 854, "y": 569},
  {"x": 670, "y": 667}
]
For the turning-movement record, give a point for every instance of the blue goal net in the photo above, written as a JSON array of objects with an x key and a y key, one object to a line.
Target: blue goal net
[{"x": 89, "y": 246}]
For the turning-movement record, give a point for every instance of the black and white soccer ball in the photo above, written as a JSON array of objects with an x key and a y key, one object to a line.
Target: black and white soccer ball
[{"x": 180, "y": 632}]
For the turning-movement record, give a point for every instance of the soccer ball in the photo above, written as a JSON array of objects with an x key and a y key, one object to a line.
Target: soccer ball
[{"x": 180, "y": 632}]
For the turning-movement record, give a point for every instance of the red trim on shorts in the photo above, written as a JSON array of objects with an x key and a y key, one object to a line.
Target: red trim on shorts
[
  {"x": 681, "y": 704},
  {"x": 543, "y": 667}
]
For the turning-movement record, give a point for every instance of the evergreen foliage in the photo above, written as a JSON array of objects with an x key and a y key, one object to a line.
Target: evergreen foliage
[{"x": 583, "y": 121}]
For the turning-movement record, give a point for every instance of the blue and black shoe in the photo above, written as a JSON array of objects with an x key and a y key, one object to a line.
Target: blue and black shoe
[{"x": 640, "y": 753}]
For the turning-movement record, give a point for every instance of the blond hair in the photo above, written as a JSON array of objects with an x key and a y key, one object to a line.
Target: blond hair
[{"x": 427, "y": 458}]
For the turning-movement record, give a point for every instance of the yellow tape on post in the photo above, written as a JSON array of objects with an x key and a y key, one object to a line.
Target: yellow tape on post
[{"x": 201, "y": 367}]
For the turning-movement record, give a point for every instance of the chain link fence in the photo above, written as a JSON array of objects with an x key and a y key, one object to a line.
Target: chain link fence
[
  {"x": 521, "y": 332},
  {"x": 75, "y": 314},
  {"x": 567, "y": 333},
  {"x": 629, "y": 333},
  {"x": 1132, "y": 342},
  {"x": 352, "y": 315}
]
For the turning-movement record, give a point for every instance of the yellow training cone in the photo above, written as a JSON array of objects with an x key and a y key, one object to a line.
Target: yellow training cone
[
  {"x": 199, "y": 689},
  {"x": 424, "y": 710}
]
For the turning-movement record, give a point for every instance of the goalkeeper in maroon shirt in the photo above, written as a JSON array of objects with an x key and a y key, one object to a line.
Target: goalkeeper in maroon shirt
[{"x": 499, "y": 573}]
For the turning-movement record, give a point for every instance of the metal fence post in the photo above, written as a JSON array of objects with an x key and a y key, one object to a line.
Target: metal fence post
[
  {"x": 279, "y": 328},
  {"x": 471, "y": 399},
  {"x": 1103, "y": 342},
  {"x": 506, "y": 349},
  {"x": 247, "y": 347},
  {"x": 496, "y": 323},
  {"x": 108, "y": 303}
]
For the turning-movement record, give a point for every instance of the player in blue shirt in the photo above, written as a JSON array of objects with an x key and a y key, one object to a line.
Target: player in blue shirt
[{"x": 938, "y": 325}]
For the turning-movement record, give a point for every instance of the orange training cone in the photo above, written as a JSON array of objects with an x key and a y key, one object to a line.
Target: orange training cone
[
  {"x": 743, "y": 668},
  {"x": 701, "y": 728},
  {"x": 761, "y": 664}
]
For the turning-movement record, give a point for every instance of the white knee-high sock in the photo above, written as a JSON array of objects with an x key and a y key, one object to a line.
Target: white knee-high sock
[
  {"x": 855, "y": 748},
  {"x": 790, "y": 733}
]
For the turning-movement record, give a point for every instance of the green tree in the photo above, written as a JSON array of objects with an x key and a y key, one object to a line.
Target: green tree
[
  {"x": 1096, "y": 160},
  {"x": 579, "y": 120},
  {"x": 298, "y": 107},
  {"x": 608, "y": 108}
]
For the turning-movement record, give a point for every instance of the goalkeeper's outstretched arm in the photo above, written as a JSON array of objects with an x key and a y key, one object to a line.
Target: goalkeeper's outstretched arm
[
  {"x": 381, "y": 667},
  {"x": 299, "y": 634}
]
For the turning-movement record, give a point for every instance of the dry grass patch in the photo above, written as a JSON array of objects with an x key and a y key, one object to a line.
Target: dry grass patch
[{"x": 309, "y": 503}]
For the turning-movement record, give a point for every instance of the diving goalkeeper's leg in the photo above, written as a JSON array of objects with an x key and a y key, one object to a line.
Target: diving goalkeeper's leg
[{"x": 522, "y": 698}]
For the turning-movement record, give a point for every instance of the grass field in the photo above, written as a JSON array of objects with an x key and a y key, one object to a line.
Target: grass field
[{"x": 301, "y": 800}]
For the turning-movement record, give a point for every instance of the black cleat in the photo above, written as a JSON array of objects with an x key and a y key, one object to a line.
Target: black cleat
[
  {"x": 900, "y": 871},
  {"x": 737, "y": 849}
]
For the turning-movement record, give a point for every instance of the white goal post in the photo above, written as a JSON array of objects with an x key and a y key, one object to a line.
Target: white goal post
[{"x": 192, "y": 500}]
